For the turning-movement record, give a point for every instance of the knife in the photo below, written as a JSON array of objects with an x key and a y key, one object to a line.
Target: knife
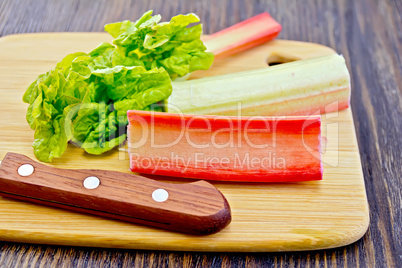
[{"x": 193, "y": 208}]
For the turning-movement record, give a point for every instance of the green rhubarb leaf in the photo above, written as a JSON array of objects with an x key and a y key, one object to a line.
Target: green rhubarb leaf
[
  {"x": 174, "y": 45},
  {"x": 97, "y": 129},
  {"x": 85, "y": 98},
  {"x": 51, "y": 139},
  {"x": 48, "y": 96}
]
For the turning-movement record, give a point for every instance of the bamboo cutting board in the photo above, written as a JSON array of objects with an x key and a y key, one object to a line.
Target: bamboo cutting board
[{"x": 266, "y": 217}]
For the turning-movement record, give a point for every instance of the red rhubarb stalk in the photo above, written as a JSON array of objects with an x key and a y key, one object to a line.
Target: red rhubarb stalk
[
  {"x": 249, "y": 149},
  {"x": 242, "y": 36}
]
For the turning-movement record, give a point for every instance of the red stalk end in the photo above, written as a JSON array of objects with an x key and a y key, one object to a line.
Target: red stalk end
[{"x": 244, "y": 35}]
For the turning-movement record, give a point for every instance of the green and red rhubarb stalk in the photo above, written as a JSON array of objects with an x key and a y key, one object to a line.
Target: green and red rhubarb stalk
[{"x": 312, "y": 86}]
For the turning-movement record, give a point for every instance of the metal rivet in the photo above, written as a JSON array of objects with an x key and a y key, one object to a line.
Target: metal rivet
[
  {"x": 160, "y": 195},
  {"x": 91, "y": 182},
  {"x": 25, "y": 170}
]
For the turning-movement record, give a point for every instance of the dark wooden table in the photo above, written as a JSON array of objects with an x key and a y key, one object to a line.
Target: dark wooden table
[{"x": 367, "y": 32}]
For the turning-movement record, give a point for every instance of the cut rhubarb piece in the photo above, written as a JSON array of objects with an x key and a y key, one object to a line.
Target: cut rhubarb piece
[
  {"x": 247, "y": 149},
  {"x": 313, "y": 86},
  {"x": 242, "y": 36}
]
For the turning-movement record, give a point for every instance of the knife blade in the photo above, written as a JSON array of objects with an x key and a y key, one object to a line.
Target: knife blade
[{"x": 193, "y": 208}]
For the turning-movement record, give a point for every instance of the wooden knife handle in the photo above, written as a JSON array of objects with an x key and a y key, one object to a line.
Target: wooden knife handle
[{"x": 195, "y": 208}]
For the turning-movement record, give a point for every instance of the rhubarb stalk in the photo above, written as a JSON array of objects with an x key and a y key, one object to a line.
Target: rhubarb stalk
[
  {"x": 242, "y": 36},
  {"x": 248, "y": 149},
  {"x": 312, "y": 86}
]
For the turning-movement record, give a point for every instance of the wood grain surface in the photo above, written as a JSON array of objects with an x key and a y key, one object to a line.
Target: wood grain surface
[{"x": 366, "y": 32}]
